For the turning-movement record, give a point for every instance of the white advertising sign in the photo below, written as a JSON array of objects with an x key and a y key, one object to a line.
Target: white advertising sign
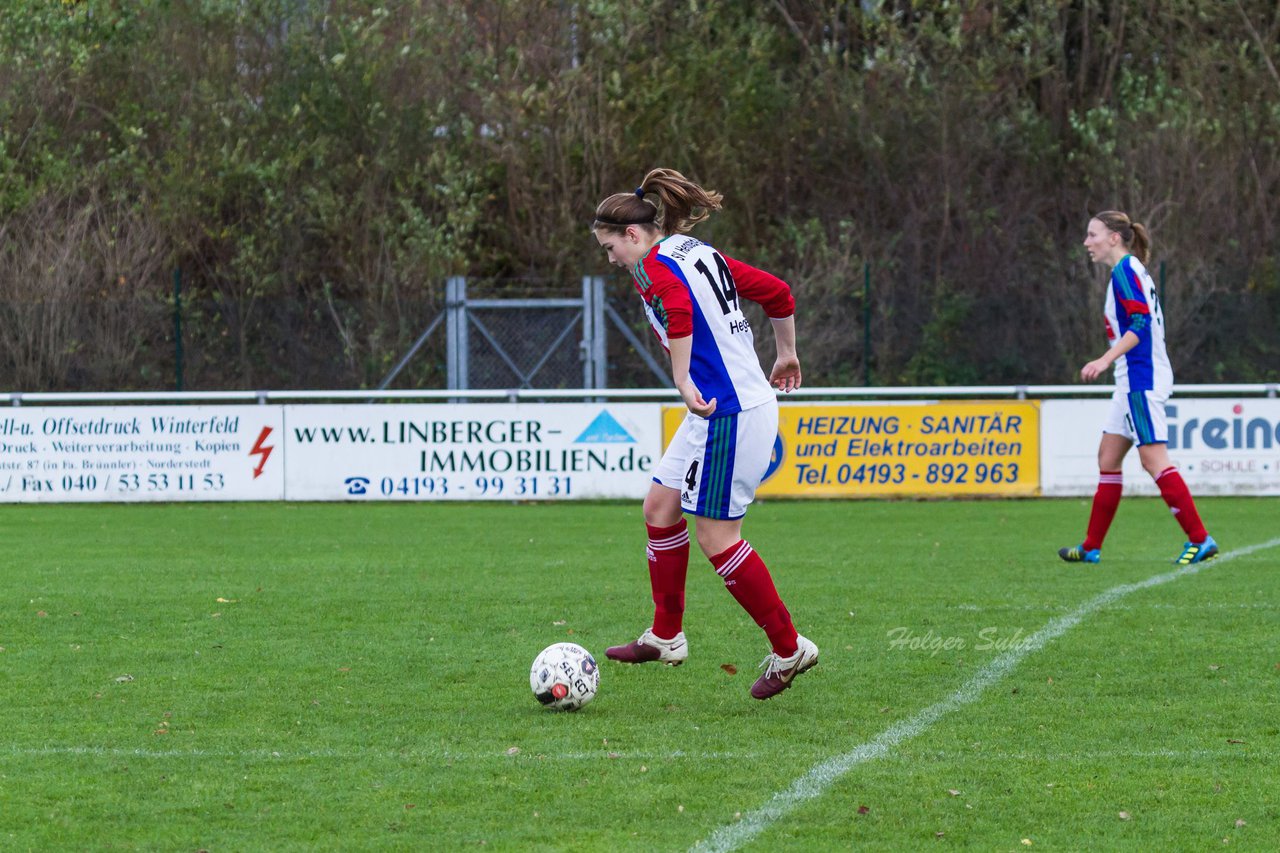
[
  {"x": 140, "y": 453},
  {"x": 1222, "y": 446},
  {"x": 427, "y": 452}
]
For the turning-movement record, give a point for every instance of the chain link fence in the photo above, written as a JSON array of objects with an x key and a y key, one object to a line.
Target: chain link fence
[{"x": 149, "y": 341}]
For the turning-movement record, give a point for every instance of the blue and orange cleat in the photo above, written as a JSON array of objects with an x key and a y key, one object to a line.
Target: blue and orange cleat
[
  {"x": 1197, "y": 552},
  {"x": 1078, "y": 554}
]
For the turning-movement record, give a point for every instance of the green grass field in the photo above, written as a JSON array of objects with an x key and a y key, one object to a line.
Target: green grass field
[{"x": 298, "y": 677}]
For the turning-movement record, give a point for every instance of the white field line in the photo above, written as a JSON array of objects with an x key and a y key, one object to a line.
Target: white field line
[
  {"x": 822, "y": 776},
  {"x": 672, "y": 755},
  {"x": 1044, "y": 608}
]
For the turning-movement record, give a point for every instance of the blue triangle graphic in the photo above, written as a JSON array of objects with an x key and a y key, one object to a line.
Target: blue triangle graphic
[{"x": 604, "y": 430}]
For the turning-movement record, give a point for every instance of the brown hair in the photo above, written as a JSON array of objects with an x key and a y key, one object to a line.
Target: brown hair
[
  {"x": 1134, "y": 234},
  {"x": 681, "y": 204}
]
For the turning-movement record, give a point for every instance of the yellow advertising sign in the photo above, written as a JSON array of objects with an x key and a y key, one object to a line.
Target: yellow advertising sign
[{"x": 925, "y": 449}]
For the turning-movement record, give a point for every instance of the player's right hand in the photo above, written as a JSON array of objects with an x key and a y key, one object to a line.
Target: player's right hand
[
  {"x": 693, "y": 400},
  {"x": 1094, "y": 369}
]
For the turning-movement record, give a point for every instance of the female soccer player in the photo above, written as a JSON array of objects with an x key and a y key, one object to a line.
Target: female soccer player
[
  {"x": 720, "y": 453},
  {"x": 1144, "y": 380}
]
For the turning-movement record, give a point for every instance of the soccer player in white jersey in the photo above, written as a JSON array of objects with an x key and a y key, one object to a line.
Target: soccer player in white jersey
[
  {"x": 1144, "y": 380},
  {"x": 720, "y": 453}
]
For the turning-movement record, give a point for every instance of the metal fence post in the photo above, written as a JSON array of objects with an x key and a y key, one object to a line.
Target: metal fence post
[
  {"x": 586, "y": 349},
  {"x": 1162, "y": 289},
  {"x": 177, "y": 329},
  {"x": 601, "y": 332},
  {"x": 866, "y": 323},
  {"x": 594, "y": 352},
  {"x": 456, "y": 329}
]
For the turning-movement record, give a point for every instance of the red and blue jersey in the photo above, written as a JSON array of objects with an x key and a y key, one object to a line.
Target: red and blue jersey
[
  {"x": 1132, "y": 306},
  {"x": 689, "y": 288}
]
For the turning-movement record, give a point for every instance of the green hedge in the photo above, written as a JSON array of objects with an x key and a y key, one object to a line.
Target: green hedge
[{"x": 316, "y": 170}]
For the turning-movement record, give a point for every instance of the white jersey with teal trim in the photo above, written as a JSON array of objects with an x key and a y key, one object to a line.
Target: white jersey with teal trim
[{"x": 1133, "y": 306}]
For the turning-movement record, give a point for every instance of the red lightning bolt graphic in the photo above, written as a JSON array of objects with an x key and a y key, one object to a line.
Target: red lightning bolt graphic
[{"x": 265, "y": 450}]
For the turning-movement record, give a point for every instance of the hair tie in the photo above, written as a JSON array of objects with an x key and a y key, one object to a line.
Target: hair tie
[{"x": 640, "y": 192}]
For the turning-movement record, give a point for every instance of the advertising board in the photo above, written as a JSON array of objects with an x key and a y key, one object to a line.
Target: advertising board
[
  {"x": 470, "y": 451},
  {"x": 917, "y": 449},
  {"x": 141, "y": 453},
  {"x": 1222, "y": 446}
]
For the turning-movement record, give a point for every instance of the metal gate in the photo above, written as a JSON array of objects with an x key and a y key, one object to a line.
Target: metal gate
[
  {"x": 508, "y": 343},
  {"x": 527, "y": 343}
]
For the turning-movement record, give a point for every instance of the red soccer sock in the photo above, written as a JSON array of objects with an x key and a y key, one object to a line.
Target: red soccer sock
[
  {"x": 748, "y": 580},
  {"x": 1105, "y": 502},
  {"x": 668, "y": 565},
  {"x": 1176, "y": 494}
]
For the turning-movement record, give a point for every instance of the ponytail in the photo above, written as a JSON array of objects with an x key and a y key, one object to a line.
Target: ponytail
[
  {"x": 680, "y": 205},
  {"x": 683, "y": 203},
  {"x": 1141, "y": 245}
]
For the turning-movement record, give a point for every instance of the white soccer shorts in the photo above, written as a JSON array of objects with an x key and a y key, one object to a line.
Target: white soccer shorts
[
  {"x": 718, "y": 464},
  {"x": 1138, "y": 416}
]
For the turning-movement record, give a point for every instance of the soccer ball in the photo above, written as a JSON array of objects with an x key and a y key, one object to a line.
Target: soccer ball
[{"x": 564, "y": 677}]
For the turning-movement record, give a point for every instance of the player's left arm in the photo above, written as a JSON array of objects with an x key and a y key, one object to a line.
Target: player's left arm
[
  {"x": 785, "y": 375},
  {"x": 765, "y": 289},
  {"x": 1131, "y": 306},
  {"x": 774, "y": 295}
]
